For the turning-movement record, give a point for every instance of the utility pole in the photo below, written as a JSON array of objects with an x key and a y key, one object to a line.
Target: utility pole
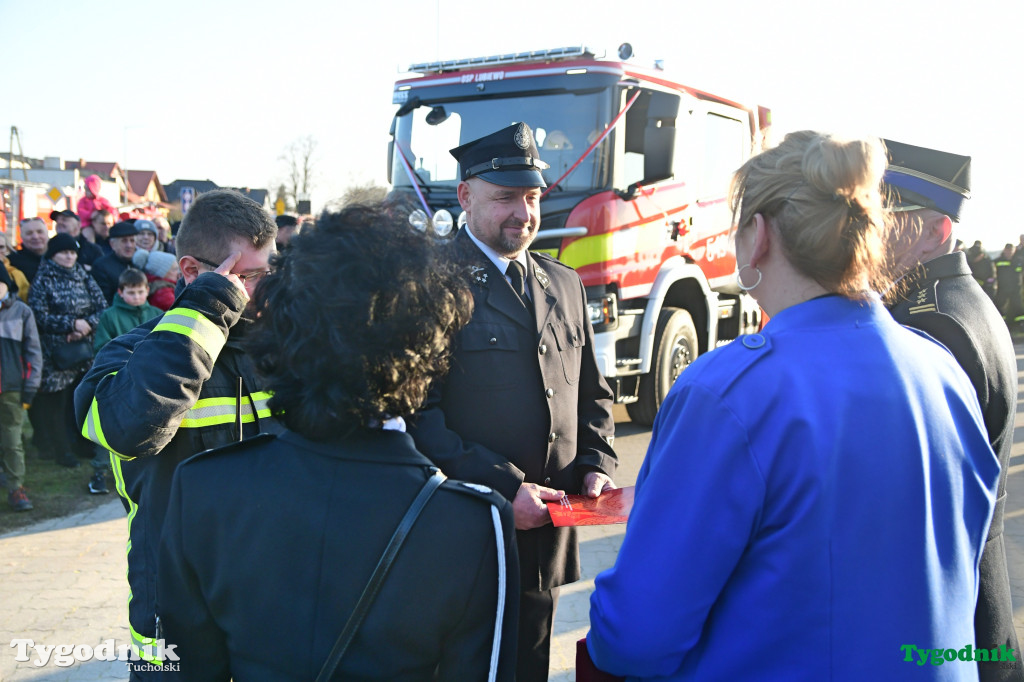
[{"x": 10, "y": 154}]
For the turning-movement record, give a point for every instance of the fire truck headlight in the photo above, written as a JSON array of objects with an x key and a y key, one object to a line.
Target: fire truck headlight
[
  {"x": 418, "y": 219},
  {"x": 603, "y": 312},
  {"x": 443, "y": 223}
]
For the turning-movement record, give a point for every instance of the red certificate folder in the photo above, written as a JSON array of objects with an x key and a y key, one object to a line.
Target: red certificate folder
[{"x": 612, "y": 506}]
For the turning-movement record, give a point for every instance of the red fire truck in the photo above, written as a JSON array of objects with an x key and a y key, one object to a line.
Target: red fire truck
[{"x": 636, "y": 197}]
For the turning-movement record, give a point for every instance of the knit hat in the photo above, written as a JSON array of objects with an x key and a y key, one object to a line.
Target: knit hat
[
  {"x": 61, "y": 242},
  {"x": 158, "y": 263},
  {"x": 147, "y": 225}
]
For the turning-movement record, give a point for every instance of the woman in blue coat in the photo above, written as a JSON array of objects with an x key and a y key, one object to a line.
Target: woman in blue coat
[{"x": 815, "y": 497}]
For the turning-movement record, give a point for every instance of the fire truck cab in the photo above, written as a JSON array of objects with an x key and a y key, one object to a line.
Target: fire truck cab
[{"x": 636, "y": 200}]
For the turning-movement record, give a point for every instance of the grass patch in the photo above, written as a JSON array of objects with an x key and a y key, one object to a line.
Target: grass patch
[{"x": 54, "y": 491}]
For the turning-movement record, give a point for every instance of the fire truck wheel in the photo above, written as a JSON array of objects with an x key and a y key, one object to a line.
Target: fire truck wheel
[{"x": 675, "y": 347}]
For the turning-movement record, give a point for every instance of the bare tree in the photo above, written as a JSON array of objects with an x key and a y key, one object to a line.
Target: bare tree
[
  {"x": 300, "y": 162},
  {"x": 368, "y": 192}
]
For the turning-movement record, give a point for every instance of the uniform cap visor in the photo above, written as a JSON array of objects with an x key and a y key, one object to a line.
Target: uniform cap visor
[{"x": 513, "y": 178}]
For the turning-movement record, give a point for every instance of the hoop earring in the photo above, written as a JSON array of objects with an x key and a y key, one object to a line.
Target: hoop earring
[{"x": 739, "y": 278}]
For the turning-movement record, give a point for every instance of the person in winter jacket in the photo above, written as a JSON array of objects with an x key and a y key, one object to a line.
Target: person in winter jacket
[
  {"x": 67, "y": 304},
  {"x": 107, "y": 269},
  {"x": 21, "y": 362},
  {"x": 17, "y": 276},
  {"x": 92, "y": 201},
  {"x": 129, "y": 310},
  {"x": 162, "y": 272},
  {"x": 189, "y": 382}
]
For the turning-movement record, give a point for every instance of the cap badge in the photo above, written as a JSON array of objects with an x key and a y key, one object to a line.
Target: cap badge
[{"x": 522, "y": 137}]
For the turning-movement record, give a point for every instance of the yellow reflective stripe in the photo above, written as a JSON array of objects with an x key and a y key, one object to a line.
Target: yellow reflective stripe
[
  {"x": 213, "y": 411},
  {"x": 93, "y": 431},
  {"x": 145, "y": 646},
  {"x": 600, "y": 248},
  {"x": 194, "y": 325},
  {"x": 139, "y": 643},
  {"x": 189, "y": 423}
]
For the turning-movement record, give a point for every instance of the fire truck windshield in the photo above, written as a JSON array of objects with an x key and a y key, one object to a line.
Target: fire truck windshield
[{"x": 564, "y": 125}]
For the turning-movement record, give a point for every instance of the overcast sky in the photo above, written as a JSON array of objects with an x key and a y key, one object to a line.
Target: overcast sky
[{"x": 218, "y": 89}]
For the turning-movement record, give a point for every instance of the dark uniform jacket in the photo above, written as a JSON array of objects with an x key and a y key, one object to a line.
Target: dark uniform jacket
[
  {"x": 159, "y": 394},
  {"x": 523, "y": 401},
  {"x": 257, "y": 580},
  {"x": 943, "y": 299}
]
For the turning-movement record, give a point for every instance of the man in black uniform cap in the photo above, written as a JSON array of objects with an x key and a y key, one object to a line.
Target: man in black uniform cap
[
  {"x": 939, "y": 296},
  {"x": 524, "y": 408}
]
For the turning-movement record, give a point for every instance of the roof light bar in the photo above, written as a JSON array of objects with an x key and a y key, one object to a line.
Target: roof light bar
[{"x": 500, "y": 59}]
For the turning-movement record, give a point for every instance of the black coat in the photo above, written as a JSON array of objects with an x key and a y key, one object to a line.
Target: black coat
[
  {"x": 106, "y": 271},
  {"x": 88, "y": 253},
  {"x": 27, "y": 262},
  {"x": 268, "y": 544},
  {"x": 944, "y": 300},
  {"x": 524, "y": 401}
]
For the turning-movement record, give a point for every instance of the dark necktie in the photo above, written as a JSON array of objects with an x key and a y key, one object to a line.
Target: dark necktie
[{"x": 516, "y": 273}]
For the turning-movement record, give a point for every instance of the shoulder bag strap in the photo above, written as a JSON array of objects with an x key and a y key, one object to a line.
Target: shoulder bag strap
[{"x": 377, "y": 579}]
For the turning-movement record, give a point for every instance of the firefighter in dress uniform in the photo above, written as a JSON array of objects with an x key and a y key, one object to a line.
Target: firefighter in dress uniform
[
  {"x": 940, "y": 296},
  {"x": 524, "y": 408}
]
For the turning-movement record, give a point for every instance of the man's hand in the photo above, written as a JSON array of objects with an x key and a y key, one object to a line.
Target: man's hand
[
  {"x": 529, "y": 509},
  {"x": 595, "y": 483},
  {"x": 225, "y": 270}
]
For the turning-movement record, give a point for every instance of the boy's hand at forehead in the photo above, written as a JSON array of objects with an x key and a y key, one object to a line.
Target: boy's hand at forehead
[{"x": 225, "y": 270}]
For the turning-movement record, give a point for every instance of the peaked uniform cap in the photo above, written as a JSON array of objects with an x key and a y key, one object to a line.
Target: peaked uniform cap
[
  {"x": 508, "y": 158},
  {"x": 918, "y": 177}
]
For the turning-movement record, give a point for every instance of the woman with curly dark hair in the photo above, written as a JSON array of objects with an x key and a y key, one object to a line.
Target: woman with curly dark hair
[{"x": 269, "y": 544}]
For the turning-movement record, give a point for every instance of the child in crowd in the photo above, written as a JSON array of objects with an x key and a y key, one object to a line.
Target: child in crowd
[
  {"x": 21, "y": 364},
  {"x": 92, "y": 201},
  {"x": 162, "y": 272},
  {"x": 128, "y": 311}
]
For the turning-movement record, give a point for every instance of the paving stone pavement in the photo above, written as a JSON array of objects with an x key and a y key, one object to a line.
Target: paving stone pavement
[{"x": 62, "y": 582}]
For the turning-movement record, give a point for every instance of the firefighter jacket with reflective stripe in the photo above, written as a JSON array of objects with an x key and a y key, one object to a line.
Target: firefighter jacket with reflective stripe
[{"x": 176, "y": 386}]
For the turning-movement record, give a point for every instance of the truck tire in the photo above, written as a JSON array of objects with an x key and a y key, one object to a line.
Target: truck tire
[{"x": 675, "y": 347}]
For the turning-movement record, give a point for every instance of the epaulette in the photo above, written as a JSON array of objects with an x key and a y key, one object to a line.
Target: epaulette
[
  {"x": 732, "y": 361},
  {"x": 539, "y": 255},
  {"x": 922, "y": 301},
  {"x": 244, "y": 444},
  {"x": 475, "y": 490}
]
